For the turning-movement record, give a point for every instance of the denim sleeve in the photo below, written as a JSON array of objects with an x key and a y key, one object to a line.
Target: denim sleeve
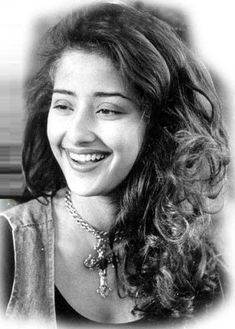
[{"x": 6, "y": 262}]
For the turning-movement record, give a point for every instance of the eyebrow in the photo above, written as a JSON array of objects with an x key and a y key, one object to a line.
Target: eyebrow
[
  {"x": 96, "y": 94},
  {"x": 114, "y": 94},
  {"x": 64, "y": 91}
]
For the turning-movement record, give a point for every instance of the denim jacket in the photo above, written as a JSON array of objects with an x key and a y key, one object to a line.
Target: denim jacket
[{"x": 32, "y": 294}]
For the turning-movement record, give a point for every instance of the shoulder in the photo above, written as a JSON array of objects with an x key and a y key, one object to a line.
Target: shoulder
[{"x": 34, "y": 212}]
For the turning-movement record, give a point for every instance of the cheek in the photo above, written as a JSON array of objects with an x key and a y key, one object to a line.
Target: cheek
[
  {"x": 134, "y": 137},
  {"x": 126, "y": 142},
  {"x": 54, "y": 130}
]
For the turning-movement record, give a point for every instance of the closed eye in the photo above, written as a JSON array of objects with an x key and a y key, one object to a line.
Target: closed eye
[
  {"x": 62, "y": 107},
  {"x": 107, "y": 111},
  {"x": 113, "y": 113}
]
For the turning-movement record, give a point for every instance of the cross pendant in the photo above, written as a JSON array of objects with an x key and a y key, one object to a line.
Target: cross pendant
[
  {"x": 100, "y": 263},
  {"x": 103, "y": 289}
]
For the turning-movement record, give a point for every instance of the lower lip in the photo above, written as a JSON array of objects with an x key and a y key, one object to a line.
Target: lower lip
[{"x": 85, "y": 167}]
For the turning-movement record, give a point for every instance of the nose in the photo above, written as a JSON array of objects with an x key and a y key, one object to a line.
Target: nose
[{"x": 81, "y": 127}]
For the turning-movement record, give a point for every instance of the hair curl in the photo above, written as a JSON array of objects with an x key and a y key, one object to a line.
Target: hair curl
[{"x": 170, "y": 263}]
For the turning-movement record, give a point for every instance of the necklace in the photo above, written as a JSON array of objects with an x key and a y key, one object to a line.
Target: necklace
[{"x": 99, "y": 262}]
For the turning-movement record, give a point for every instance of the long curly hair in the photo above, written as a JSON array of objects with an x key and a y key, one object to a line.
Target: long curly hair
[{"x": 170, "y": 265}]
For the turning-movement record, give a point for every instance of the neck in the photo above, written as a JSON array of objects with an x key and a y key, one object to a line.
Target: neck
[{"x": 98, "y": 211}]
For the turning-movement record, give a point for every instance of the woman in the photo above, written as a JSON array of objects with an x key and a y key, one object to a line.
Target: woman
[{"x": 124, "y": 159}]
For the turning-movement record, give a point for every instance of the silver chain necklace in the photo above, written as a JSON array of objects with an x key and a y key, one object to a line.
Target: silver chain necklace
[{"x": 99, "y": 262}]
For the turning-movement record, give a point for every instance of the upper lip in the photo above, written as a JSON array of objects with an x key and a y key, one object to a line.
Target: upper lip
[{"x": 85, "y": 151}]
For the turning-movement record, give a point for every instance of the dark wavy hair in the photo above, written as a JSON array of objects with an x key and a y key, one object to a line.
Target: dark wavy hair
[{"x": 170, "y": 264}]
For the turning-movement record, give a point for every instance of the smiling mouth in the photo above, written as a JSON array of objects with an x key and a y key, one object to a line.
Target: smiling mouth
[{"x": 87, "y": 158}]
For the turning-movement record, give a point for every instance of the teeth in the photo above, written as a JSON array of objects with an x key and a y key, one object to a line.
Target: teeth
[{"x": 86, "y": 157}]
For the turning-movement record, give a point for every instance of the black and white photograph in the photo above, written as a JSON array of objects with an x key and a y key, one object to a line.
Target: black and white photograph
[{"x": 117, "y": 190}]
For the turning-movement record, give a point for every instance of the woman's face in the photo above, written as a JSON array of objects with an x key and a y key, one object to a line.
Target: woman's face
[{"x": 95, "y": 127}]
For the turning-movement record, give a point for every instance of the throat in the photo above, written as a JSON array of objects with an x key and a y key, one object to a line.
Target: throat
[{"x": 98, "y": 211}]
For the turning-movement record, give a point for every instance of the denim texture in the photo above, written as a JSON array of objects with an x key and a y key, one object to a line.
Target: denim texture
[{"x": 33, "y": 231}]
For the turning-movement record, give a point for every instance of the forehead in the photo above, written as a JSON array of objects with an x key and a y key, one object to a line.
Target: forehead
[{"x": 78, "y": 68}]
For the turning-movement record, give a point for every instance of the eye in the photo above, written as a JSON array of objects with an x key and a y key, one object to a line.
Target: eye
[
  {"x": 108, "y": 112},
  {"x": 62, "y": 107}
]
